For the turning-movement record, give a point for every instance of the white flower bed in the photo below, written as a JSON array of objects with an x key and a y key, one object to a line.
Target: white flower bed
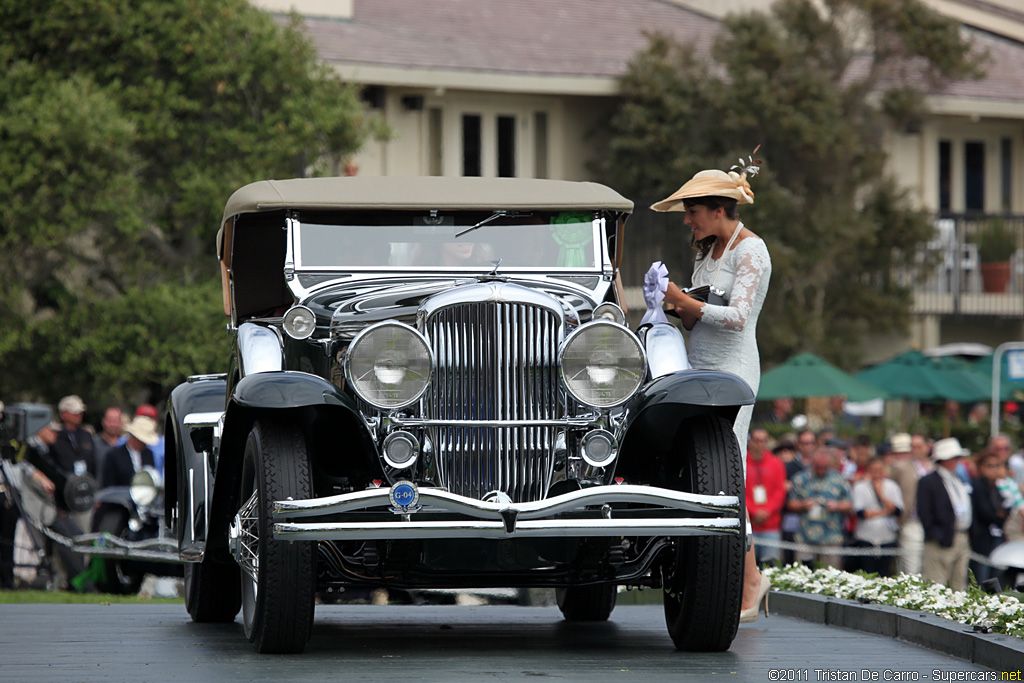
[{"x": 1000, "y": 613}]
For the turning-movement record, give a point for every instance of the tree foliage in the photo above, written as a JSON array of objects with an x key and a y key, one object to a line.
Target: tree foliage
[
  {"x": 130, "y": 348},
  {"x": 817, "y": 85},
  {"x": 125, "y": 124}
]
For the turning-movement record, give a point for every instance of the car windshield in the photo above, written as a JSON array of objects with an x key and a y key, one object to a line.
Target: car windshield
[{"x": 466, "y": 240}]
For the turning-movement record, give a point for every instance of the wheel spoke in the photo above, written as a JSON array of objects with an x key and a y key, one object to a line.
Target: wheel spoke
[{"x": 249, "y": 539}]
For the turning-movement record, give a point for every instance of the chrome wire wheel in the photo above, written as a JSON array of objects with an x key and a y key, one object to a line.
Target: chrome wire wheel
[
  {"x": 278, "y": 577},
  {"x": 248, "y": 540}
]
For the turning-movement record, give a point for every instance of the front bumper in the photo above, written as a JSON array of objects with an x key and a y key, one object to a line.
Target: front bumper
[{"x": 619, "y": 510}]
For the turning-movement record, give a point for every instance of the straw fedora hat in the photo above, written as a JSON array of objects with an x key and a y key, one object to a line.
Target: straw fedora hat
[
  {"x": 144, "y": 429},
  {"x": 709, "y": 183},
  {"x": 947, "y": 449}
]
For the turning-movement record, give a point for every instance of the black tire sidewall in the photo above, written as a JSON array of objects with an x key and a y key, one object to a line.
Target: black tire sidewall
[
  {"x": 701, "y": 608},
  {"x": 212, "y": 591},
  {"x": 277, "y": 466},
  {"x": 587, "y": 603}
]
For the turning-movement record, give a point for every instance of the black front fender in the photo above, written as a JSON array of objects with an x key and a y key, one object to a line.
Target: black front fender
[
  {"x": 708, "y": 388},
  {"x": 657, "y": 413},
  {"x": 337, "y": 439},
  {"x": 181, "y": 456},
  {"x": 288, "y": 390}
]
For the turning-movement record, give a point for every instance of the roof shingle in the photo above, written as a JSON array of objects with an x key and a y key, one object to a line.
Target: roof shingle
[
  {"x": 541, "y": 37},
  {"x": 573, "y": 38}
]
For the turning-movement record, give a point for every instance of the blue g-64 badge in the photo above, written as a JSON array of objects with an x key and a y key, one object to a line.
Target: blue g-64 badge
[{"x": 404, "y": 497}]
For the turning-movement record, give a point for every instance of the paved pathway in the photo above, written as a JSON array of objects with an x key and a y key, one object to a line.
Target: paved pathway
[{"x": 434, "y": 643}]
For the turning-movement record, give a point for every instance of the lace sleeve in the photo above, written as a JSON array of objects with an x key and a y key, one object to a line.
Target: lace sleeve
[{"x": 753, "y": 264}]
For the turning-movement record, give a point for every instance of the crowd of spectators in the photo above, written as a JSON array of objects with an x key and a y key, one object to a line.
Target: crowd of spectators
[
  {"x": 60, "y": 464},
  {"x": 905, "y": 504}
]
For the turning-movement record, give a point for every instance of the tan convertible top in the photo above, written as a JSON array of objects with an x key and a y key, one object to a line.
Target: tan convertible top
[
  {"x": 393, "y": 192},
  {"x": 404, "y": 193},
  {"x": 410, "y": 193}
]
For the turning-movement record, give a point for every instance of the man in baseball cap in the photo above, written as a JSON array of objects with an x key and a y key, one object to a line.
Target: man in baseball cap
[
  {"x": 146, "y": 410},
  {"x": 71, "y": 404}
]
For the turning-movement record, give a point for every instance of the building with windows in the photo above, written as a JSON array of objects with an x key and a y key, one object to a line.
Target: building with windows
[
  {"x": 490, "y": 88},
  {"x": 515, "y": 88}
]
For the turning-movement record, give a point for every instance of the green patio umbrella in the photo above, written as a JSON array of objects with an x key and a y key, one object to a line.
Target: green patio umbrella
[
  {"x": 916, "y": 377},
  {"x": 807, "y": 375},
  {"x": 973, "y": 383},
  {"x": 1009, "y": 390}
]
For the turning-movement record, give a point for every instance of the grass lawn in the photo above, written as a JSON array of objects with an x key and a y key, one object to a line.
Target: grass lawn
[{"x": 66, "y": 597}]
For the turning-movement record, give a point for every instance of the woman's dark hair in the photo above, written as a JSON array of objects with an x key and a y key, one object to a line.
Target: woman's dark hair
[{"x": 727, "y": 204}]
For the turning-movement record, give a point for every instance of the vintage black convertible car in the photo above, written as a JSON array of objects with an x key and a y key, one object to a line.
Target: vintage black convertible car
[{"x": 432, "y": 386}]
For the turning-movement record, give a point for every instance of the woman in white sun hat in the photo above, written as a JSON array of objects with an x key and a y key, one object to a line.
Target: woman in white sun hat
[{"x": 732, "y": 259}]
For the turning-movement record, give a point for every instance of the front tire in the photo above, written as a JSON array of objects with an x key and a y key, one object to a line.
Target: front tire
[
  {"x": 587, "y": 603},
  {"x": 278, "y": 577},
  {"x": 704, "y": 579}
]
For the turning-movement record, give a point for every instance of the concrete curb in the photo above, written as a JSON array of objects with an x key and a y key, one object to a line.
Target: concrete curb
[{"x": 993, "y": 650}]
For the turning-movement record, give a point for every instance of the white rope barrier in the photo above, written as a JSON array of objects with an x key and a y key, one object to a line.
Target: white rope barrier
[{"x": 850, "y": 551}]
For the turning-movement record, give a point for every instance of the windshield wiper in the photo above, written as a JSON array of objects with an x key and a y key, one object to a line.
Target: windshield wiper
[{"x": 494, "y": 216}]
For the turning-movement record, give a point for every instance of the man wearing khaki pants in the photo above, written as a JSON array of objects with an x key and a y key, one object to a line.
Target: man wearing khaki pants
[{"x": 944, "y": 508}]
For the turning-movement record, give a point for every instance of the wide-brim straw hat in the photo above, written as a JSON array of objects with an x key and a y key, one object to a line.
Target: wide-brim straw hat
[
  {"x": 709, "y": 183},
  {"x": 144, "y": 429}
]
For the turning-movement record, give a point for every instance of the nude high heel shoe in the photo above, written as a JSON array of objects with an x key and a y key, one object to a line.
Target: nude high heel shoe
[{"x": 749, "y": 615}]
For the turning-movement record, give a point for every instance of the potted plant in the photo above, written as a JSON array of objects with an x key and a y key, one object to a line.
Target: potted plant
[{"x": 996, "y": 244}]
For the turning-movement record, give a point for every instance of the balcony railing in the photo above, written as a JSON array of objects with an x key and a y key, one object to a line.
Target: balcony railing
[{"x": 950, "y": 277}]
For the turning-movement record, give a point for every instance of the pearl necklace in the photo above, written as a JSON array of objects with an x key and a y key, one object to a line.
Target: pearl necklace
[{"x": 717, "y": 268}]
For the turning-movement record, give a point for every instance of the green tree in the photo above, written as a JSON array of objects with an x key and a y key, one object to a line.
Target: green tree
[
  {"x": 815, "y": 84},
  {"x": 124, "y": 127}
]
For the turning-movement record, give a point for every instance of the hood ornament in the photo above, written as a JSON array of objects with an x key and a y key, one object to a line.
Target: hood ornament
[{"x": 493, "y": 275}]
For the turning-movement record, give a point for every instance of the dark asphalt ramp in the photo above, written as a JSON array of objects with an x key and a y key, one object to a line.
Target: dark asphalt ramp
[{"x": 106, "y": 643}]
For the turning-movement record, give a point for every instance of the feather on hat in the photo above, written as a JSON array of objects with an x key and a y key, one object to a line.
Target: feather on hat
[{"x": 715, "y": 183}]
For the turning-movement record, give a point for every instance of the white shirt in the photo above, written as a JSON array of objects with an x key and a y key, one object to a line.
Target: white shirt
[
  {"x": 959, "y": 496},
  {"x": 881, "y": 528},
  {"x": 136, "y": 457}
]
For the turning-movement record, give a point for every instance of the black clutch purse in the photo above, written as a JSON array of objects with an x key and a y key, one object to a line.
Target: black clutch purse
[{"x": 708, "y": 294}]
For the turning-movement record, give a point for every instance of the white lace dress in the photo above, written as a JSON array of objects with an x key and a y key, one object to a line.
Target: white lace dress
[{"x": 725, "y": 336}]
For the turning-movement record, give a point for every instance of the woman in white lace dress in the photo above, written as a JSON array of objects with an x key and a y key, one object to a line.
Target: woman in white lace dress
[{"x": 732, "y": 259}]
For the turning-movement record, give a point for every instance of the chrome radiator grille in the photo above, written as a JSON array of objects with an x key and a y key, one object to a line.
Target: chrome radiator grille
[{"x": 496, "y": 361}]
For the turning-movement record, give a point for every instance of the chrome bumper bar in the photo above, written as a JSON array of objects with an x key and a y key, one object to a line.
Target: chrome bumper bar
[
  {"x": 105, "y": 545},
  {"x": 553, "y": 517}
]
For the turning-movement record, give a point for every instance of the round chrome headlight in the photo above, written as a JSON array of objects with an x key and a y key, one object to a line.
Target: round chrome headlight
[
  {"x": 145, "y": 487},
  {"x": 598, "y": 448},
  {"x": 602, "y": 364},
  {"x": 610, "y": 311},
  {"x": 388, "y": 365},
  {"x": 400, "y": 449},
  {"x": 299, "y": 322}
]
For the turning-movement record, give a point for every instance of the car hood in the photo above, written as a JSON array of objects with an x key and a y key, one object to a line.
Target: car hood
[{"x": 350, "y": 306}]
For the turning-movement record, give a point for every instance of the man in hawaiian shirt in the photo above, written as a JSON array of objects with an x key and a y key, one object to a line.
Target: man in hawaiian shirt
[{"x": 822, "y": 497}]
